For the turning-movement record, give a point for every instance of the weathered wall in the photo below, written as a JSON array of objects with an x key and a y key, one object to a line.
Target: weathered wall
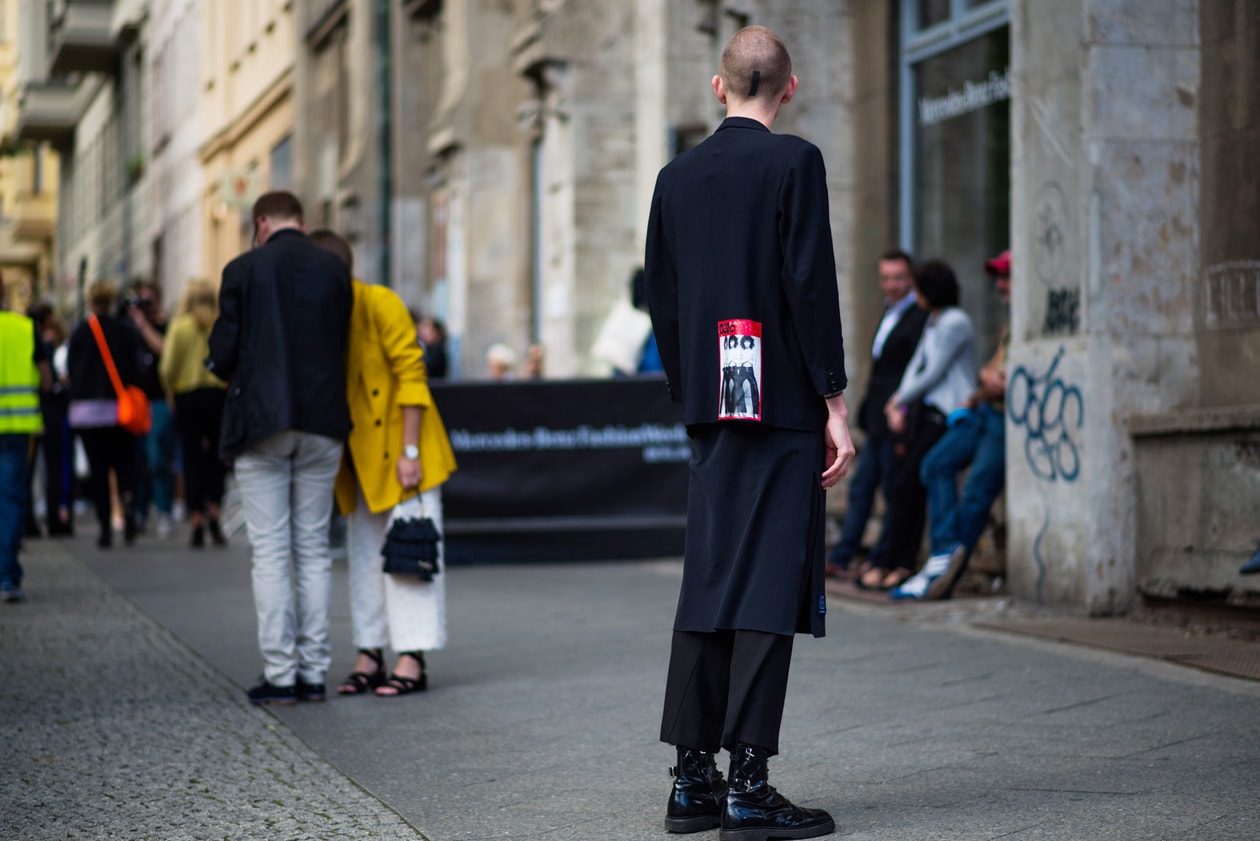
[
  {"x": 1199, "y": 468},
  {"x": 1229, "y": 300},
  {"x": 176, "y": 182},
  {"x": 1106, "y": 239},
  {"x": 1198, "y": 478},
  {"x": 874, "y": 177}
]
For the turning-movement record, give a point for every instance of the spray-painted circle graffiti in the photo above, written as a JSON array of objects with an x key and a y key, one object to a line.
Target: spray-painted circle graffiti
[{"x": 1050, "y": 411}]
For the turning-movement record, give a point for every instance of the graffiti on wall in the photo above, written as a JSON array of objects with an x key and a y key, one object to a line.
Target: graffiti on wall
[
  {"x": 1063, "y": 311},
  {"x": 1050, "y": 412},
  {"x": 1051, "y": 230}
]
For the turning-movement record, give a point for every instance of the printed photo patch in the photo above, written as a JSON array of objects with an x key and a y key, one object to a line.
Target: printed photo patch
[{"x": 739, "y": 369}]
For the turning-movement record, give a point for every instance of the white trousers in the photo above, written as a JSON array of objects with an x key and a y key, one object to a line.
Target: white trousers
[
  {"x": 389, "y": 610},
  {"x": 286, "y": 485}
]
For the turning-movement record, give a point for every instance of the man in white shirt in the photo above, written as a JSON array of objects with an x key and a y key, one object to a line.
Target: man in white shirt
[{"x": 894, "y": 344}]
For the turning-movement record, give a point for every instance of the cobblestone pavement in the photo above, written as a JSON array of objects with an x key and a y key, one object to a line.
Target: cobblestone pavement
[
  {"x": 114, "y": 729},
  {"x": 124, "y": 717}
]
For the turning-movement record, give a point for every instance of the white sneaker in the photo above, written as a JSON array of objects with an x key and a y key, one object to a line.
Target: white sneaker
[
  {"x": 943, "y": 586},
  {"x": 935, "y": 565},
  {"x": 916, "y": 586},
  {"x": 164, "y": 526}
]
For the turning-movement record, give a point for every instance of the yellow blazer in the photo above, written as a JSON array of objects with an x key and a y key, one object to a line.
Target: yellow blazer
[{"x": 384, "y": 372}]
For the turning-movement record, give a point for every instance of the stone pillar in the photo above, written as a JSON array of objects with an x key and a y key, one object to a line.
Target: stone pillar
[
  {"x": 1105, "y": 234},
  {"x": 651, "y": 40}
]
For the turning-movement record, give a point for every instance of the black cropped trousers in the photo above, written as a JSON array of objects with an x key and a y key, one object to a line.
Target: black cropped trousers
[{"x": 726, "y": 688}]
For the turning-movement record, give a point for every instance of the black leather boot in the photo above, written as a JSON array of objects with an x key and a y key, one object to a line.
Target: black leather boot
[
  {"x": 695, "y": 804},
  {"x": 756, "y": 812}
]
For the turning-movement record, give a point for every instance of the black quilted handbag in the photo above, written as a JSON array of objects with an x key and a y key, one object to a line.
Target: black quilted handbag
[{"x": 411, "y": 545}]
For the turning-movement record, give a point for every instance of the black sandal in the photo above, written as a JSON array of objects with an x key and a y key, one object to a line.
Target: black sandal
[
  {"x": 406, "y": 685},
  {"x": 895, "y": 578},
  {"x": 359, "y": 683}
]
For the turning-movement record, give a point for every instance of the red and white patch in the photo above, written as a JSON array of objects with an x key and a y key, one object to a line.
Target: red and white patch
[{"x": 739, "y": 369}]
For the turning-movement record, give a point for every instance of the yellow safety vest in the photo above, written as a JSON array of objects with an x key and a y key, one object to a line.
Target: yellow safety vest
[{"x": 19, "y": 378}]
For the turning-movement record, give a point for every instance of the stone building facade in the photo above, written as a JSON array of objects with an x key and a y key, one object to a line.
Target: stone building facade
[
  {"x": 28, "y": 182},
  {"x": 247, "y": 50},
  {"x": 1135, "y": 425},
  {"x": 82, "y": 91},
  {"x": 504, "y": 183},
  {"x": 171, "y": 153}
]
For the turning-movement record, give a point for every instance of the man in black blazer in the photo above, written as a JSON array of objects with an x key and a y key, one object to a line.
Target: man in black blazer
[
  {"x": 895, "y": 340},
  {"x": 741, "y": 285},
  {"x": 284, "y": 316}
]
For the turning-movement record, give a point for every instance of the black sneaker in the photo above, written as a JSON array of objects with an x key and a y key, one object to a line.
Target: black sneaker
[
  {"x": 310, "y": 691},
  {"x": 216, "y": 532},
  {"x": 269, "y": 693}
]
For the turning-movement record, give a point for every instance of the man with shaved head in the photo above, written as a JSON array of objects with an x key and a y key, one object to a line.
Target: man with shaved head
[{"x": 741, "y": 284}]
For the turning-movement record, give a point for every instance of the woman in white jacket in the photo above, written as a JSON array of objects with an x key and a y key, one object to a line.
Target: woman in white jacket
[{"x": 940, "y": 376}]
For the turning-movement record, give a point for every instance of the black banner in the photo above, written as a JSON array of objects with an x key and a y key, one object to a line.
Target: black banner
[{"x": 564, "y": 469}]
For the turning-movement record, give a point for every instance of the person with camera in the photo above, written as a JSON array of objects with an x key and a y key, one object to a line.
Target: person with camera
[{"x": 155, "y": 455}]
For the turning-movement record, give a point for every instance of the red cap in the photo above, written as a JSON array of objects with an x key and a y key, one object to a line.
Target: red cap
[{"x": 1000, "y": 264}]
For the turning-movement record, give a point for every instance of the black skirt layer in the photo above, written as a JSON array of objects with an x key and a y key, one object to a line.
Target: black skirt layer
[{"x": 754, "y": 547}]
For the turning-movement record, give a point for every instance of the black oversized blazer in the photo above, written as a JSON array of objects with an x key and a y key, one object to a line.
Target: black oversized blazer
[
  {"x": 280, "y": 340},
  {"x": 886, "y": 371},
  {"x": 739, "y": 229}
]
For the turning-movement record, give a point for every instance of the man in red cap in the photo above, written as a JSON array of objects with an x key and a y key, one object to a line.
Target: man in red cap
[{"x": 976, "y": 439}]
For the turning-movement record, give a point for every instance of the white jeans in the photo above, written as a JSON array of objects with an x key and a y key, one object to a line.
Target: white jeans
[
  {"x": 286, "y": 485},
  {"x": 390, "y": 610}
]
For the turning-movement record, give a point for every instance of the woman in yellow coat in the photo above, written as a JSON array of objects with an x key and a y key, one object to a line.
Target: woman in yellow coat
[{"x": 397, "y": 448}]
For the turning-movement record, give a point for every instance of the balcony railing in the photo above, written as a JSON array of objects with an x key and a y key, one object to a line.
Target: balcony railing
[
  {"x": 35, "y": 216},
  {"x": 81, "y": 37},
  {"x": 48, "y": 111}
]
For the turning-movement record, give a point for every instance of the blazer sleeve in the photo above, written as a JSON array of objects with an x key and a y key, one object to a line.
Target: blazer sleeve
[
  {"x": 225, "y": 336},
  {"x": 398, "y": 339},
  {"x": 660, "y": 282},
  {"x": 809, "y": 269}
]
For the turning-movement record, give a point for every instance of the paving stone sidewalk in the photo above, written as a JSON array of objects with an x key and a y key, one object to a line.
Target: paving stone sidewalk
[
  {"x": 124, "y": 717},
  {"x": 112, "y": 728}
]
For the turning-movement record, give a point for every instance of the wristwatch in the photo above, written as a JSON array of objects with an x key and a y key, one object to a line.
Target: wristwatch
[{"x": 411, "y": 451}]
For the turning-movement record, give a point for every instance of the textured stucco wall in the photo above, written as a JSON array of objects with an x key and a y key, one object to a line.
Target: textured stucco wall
[
  {"x": 1199, "y": 468},
  {"x": 1106, "y": 234}
]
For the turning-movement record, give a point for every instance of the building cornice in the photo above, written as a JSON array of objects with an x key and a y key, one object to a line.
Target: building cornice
[{"x": 263, "y": 104}]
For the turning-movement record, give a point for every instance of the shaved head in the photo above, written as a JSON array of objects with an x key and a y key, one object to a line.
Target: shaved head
[{"x": 756, "y": 65}]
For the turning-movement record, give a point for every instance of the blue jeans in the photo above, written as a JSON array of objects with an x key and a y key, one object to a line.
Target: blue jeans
[
  {"x": 978, "y": 440},
  {"x": 15, "y": 450},
  {"x": 158, "y": 454},
  {"x": 876, "y": 466}
]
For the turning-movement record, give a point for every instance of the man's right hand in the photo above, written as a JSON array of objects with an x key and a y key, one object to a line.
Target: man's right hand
[{"x": 840, "y": 449}]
